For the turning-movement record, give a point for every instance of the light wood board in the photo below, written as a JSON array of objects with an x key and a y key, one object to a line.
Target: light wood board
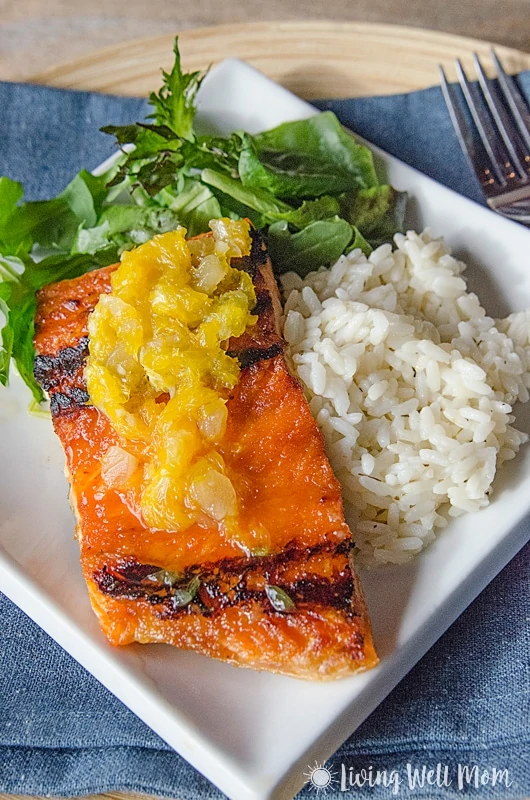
[{"x": 313, "y": 59}]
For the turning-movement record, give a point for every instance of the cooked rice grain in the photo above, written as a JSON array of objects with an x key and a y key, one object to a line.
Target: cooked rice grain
[{"x": 412, "y": 385}]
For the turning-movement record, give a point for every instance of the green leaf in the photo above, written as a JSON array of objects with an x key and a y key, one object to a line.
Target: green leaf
[
  {"x": 154, "y": 176},
  {"x": 21, "y": 320},
  {"x": 359, "y": 242},
  {"x": 18, "y": 304},
  {"x": 234, "y": 210},
  {"x": 93, "y": 239},
  {"x": 165, "y": 576},
  {"x": 310, "y": 181},
  {"x": 184, "y": 595},
  {"x": 97, "y": 187},
  {"x": 181, "y": 593},
  {"x": 319, "y": 244},
  {"x": 79, "y": 198},
  {"x": 257, "y": 199},
  {"x": 311, "y": 211},
  {"x": 192, "y": 203},
  {"x": 378, "y": 211},
  {"x": 6, "y": 333},
  {"x": 174, "y": 105},
  {"x": 279, "y": 599},
  {"x": 214, "y": 152},
  {"x": 154, "y": 160},
  {"x": 52, "y": 224},
  {"x": 307, "y": 158},
  {"x": 10, "y": 193},
  {"x": 46, "y": 221},
  {"x": 148, "y": 140},
  {"x": 125, "y": 226}
]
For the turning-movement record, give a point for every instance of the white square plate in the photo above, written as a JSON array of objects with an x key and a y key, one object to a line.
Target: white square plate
[{"x": 191, "y": 701}]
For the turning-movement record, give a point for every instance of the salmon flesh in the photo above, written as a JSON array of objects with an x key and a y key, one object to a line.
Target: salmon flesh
[{"x": 272, "y": 442}]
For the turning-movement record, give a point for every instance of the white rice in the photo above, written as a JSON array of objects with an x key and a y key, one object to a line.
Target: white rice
[{"x": 412, "y": 385}]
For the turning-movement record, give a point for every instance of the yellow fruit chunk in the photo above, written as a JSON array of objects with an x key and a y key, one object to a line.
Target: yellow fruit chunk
[{"x": 158, "y": 368}]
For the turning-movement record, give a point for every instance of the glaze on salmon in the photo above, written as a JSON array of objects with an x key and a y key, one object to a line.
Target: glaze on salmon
[{"x": 139, "y": 579}]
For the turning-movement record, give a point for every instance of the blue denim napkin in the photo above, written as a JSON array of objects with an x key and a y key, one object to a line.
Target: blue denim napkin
[{"x": 465, "y": 705}]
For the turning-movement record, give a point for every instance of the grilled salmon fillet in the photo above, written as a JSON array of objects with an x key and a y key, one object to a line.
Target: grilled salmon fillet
[{"x": 273, "y": 444}]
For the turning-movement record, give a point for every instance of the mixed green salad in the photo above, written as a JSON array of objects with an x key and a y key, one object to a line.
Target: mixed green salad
[{"x": 309, "y": 186}]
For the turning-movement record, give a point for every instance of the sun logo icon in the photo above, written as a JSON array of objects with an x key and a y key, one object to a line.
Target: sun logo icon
[{"x": 319, "y": 776}]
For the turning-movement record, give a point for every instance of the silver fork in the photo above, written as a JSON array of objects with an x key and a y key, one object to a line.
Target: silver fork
[{"x": 500, "y": 155}]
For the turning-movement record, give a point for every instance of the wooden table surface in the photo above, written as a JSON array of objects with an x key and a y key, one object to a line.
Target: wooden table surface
[{"x": 37, "y": 34}]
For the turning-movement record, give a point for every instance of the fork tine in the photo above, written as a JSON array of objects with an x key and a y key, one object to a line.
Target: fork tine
[
  {"x": 514, "y": 99},
  {"x": 499, "y": 115},
  {"x": 462, "y": 129},
  {"x": 484, "y": 127}
]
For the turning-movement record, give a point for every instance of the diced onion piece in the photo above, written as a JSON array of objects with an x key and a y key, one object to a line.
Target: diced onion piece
[
  {"x": 212, "y": 421},
  {"x": 117, "y": 466},
  {"x": 208, "y": 273},
  {"x": 214, "y": 494}
]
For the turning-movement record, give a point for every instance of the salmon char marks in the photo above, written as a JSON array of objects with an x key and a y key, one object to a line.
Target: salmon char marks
[{"x": 225, "y": 605}]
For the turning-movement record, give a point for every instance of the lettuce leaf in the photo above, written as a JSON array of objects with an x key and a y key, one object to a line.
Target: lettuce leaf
[
  {"x": 307, "y": 158},
  {"x": 317, "y": 245},
  {"x": 192, "y": 203},
  {"x": 22, "y": 278},
  {"x": 378, "y": 211}
]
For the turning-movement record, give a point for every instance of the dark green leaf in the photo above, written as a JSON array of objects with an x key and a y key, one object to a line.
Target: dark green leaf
[
  {"x": 319, "y": 244},
  {"x": 234, "y": 210},
  {"x": 214, "y": 152},
  {"x": 168, "y": 176},
  {"x": 307, "y": 158},
  {"x": 125, "y": 134},
  {"x": 50, "y": 222},
  {"x": 181, "y": 593},
  {"x": 156, "y": 175},
  {"x": 279, "y": 599},
  {"x": 148, "y": 140},
  {"x": 378, "y": 211},
  {"x": 359, "y": 242},
  {"x": 17, "y": 303},
  {"x": 21, "y": 321}
]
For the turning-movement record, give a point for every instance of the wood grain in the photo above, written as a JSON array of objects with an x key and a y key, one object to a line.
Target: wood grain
[
  {"x": 313, "y": 59},
  {"x": 35, "y": 35}
]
